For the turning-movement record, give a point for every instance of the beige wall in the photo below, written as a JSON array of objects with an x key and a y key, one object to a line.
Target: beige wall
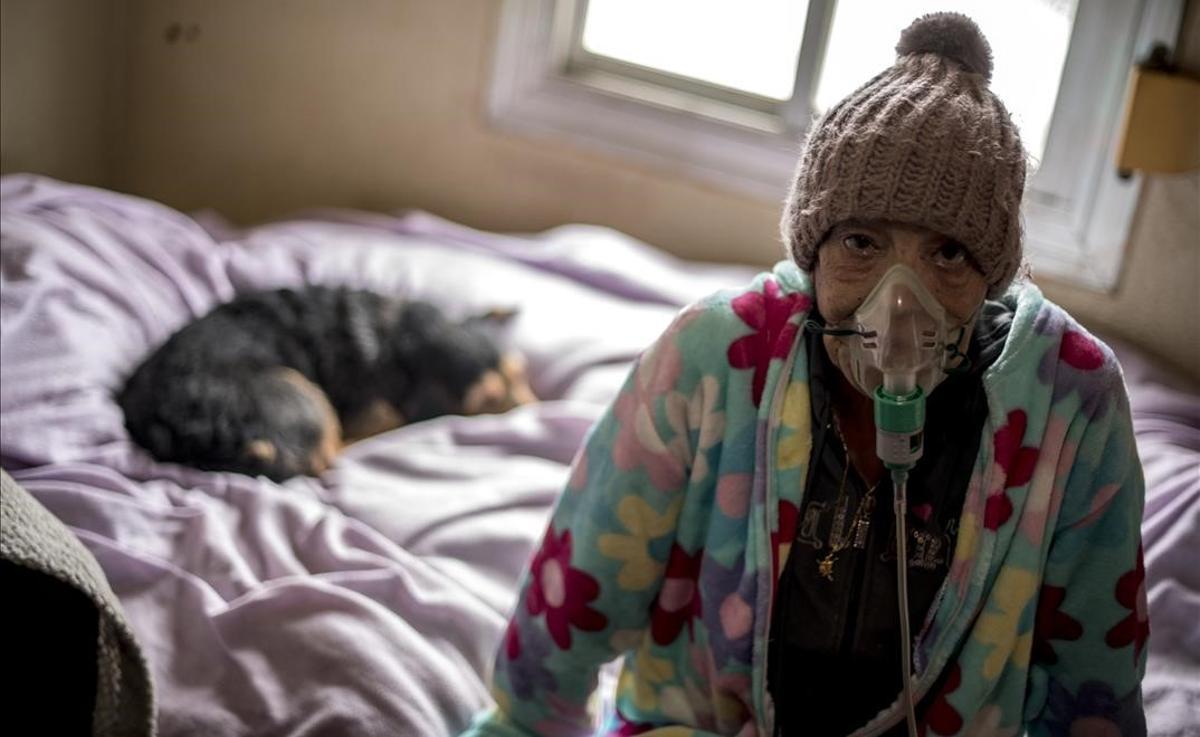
[
  {"x": 281, "y": 104},
  {"x": 59, "y": 78},
  {"x": 277, "y": 105},
  {"x": 1157, "y": 302}
]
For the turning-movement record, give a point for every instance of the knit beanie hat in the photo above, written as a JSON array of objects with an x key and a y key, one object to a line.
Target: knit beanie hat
[{"x": 923, "y": 143}]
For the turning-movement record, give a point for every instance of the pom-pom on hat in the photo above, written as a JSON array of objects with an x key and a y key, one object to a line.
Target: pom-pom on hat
[
  {"x": 926, "y": 143},
  {"x": 952, "y": 35}
]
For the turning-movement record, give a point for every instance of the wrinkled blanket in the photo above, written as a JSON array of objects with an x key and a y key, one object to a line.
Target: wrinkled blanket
[
  {"x": 371, "y": 600},
  {"x": 368, "y": 601}
]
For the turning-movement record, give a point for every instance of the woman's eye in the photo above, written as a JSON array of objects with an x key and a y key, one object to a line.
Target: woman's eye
[
  {"x": 951, "y": 254},
  {"x": 859, "y": 244}
]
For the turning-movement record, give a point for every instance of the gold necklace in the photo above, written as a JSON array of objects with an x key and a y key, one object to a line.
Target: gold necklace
[{"x": 859, "y": 526}]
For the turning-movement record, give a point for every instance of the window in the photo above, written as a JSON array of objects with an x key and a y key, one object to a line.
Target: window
[
  {"x": 751, "y": 46},
  {"x": 725, "y": 90}
]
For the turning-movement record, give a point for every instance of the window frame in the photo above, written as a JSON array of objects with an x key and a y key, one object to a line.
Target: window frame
[{"x": 1077, "y": 211}]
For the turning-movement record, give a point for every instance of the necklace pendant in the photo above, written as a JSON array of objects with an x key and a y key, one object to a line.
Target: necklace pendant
[{"x": 825, "y": 567}]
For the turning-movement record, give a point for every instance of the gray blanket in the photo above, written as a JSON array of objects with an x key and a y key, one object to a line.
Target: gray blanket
[{"x": 34, "y": 539}]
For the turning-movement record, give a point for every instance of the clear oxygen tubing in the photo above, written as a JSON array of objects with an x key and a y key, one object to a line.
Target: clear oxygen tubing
[
  {"x": 899, "y": 443},
  {"x": 900, "y": 482}
]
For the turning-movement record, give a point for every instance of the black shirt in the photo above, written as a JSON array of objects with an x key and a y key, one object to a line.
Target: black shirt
[{"x": 834, "y": 658}]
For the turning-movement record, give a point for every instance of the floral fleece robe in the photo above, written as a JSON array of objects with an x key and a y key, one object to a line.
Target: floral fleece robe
[{"x": 681, "y": 507}]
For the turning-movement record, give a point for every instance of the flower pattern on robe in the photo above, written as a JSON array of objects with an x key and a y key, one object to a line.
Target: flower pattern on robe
[
  {"x": 1000, "y": 625},
  {"x": 678, "y": 602},
  {"x": 1131, "y": 594},
  {"x": 512, "y": 641},
  {"x": 696, "y": 412},
  {"x": 730, "y": 623},
  {"x": 1092, "y": 710},
  {"x": 629, "y": 728},
  {"x": 1052, "y": 624},
  {"x": 651, "y": 672},
  {"x": 769, "y": 314},
  {"x": 781, "y": 539},
  {"x": 795, "y": 442},
  {"x": 638, "y": 443},
  {"x": 1075, "y": 368},
  {"x": 562, "y": 592},
  {"x": 1080, "y": 352},
  {"x": 1017, "y": 462},
  {"x": 527, "y": 651},
  {"x": 709, "y": 699},
  {"x": 988, "y": 722},
  {"x": 942, "y": 718},
  {"x": 563, "y": 718},
  {"x": 639, "y": 569}
]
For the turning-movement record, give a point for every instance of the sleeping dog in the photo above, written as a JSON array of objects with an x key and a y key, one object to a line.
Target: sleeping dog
[{"x": 274, "y": 383}]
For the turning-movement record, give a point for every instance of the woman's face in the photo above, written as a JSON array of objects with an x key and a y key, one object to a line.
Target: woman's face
[{"x": 857, "y": 253}]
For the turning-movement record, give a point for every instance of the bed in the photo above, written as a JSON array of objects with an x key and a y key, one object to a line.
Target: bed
[{"x": 370, "y": 601}]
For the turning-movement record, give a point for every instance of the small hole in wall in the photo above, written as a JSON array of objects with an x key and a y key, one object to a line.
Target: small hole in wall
[{"x": 176, "y": 32}]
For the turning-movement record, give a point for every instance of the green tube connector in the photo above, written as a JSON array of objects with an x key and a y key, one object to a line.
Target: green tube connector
[
  {"x": 899, "y": 424},
  {"x": 900, "y": 414}
]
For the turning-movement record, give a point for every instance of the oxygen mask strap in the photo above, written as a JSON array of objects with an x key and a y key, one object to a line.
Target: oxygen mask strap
[{"x": 816, "y": 326}]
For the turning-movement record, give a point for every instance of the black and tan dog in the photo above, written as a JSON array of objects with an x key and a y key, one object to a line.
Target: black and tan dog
[{"x": 276, "y": 382}]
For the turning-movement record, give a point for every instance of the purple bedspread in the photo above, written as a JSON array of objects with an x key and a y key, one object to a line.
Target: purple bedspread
[
  {"x": 1166, "y": 421},
  {"x": 370, "y": 601}
]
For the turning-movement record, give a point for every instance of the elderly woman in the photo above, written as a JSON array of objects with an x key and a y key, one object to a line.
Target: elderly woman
[{"x": 729, "y": 527}]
